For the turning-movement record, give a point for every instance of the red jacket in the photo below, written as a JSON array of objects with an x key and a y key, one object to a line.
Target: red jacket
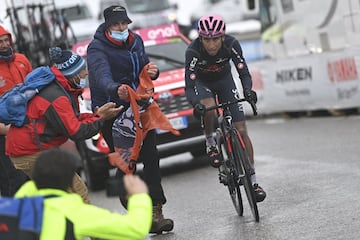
[
  {"x": 12, "y": 71},
  {"x": 53, "y": 117}
]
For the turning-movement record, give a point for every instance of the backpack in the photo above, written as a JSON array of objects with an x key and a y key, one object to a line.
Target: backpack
[
  {"x": 13, "y": 103},
  {"x": 21, "y": 218}
]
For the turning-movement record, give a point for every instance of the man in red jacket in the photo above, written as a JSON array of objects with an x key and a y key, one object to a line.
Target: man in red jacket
[
  {"x": 53, "y": 116},
  {"x": 13, "y": 69},
  {"x": 13, "y": 66}
]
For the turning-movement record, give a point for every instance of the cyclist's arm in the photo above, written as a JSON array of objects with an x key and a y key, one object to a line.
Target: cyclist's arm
[
  {"x": 191, "y": 58},
  {"x": 241, "y": 65}
]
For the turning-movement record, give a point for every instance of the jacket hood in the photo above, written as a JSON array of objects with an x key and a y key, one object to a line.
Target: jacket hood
[
  {"x": 3, "y": 31},
  {"x": 100, "y": 35}
]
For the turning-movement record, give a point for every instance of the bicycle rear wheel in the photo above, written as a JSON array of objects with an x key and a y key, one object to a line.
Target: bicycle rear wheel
[
  {"x": 242, "y": 162},
  {"x": 227, "y": 169}
]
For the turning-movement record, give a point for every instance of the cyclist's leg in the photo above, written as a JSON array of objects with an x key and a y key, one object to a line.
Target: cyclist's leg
[
  {"x": 241, "y": 127},
  {"x": 205, "y": 96},
  {"x": 209, "y": 118}
]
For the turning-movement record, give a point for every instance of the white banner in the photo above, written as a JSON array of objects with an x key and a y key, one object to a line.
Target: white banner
[{"x": 311, "y": 82}]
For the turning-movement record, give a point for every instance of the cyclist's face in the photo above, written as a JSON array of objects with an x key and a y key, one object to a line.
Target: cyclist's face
[
  {"x": 119, "y": 26},
  {"x": 4, "y": 43},
  {"x": 212, "y": 45}
]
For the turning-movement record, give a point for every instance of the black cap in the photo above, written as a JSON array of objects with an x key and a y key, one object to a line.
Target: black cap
[{"x": 115, "y": 14}]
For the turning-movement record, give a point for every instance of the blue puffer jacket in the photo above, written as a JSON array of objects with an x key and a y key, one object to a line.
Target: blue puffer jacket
[{"x": 111, "y": 65}]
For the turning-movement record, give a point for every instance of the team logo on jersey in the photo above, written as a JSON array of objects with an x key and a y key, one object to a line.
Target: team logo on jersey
[
  {"x": 192, "y": 76},
  {"x": 240, "y": 65},
  {"x": 220, "y": 60},
  {"x": 236, "y": 93},
  {"x": 192, "y": 64},
  {"x": 236, "y": 53}
]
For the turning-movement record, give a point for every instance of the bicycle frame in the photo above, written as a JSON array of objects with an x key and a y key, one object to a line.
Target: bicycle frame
[{"x": 236, "y": 164}]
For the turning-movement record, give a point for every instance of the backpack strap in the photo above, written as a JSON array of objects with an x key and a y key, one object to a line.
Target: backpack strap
[
  {"x": 69, "y": 234},
  {"x": 69, "y": 231}
]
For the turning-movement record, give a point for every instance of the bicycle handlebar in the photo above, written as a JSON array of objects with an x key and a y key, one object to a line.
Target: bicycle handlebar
[{"x": 223, "y": 105}]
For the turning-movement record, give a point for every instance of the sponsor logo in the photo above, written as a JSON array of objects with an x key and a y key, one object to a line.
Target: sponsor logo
[
  {"x": 294, "y": 75},
  {"x": 193, "y": 64},
  {"x": 81, "y": 48},
  {"x": 341, "y": 70},
  {"x": 236, "y": 53},
  {"x": 220, "y": 60},
  {"x": 155, "y": 33}
]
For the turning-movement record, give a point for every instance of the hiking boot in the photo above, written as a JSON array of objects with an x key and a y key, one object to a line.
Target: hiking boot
[
  {"x": 214, "y": 155},
  {"x": 260, "y": 194},
  {"x": 159, "y": 223}
]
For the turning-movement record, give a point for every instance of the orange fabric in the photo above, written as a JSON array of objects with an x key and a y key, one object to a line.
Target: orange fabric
[{"x": 152, "y": 118}]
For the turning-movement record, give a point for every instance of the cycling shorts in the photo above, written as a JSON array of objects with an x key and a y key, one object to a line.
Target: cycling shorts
[{"x": 226, "y": 91}]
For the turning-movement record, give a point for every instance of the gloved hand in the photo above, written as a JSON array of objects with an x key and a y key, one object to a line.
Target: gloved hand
[
  {"x": 199, "y": 110},
  {"x": 250, "y": 95}
]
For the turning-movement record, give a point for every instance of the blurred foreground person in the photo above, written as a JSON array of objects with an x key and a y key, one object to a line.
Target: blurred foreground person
[{"x": 66, "y": 215}]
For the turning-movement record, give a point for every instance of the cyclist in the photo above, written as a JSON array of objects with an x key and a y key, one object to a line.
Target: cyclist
[{"x": 208, "y": 72}]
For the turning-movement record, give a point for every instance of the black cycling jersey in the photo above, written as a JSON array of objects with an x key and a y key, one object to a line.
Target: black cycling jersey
[{"x": 200, "y": 66}]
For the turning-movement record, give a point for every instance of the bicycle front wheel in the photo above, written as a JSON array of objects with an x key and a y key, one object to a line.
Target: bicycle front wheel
[
  {"x": 242, "y": 162},
  {"x": 228, "y": 172},
  {"x": 235, "y": 194}
]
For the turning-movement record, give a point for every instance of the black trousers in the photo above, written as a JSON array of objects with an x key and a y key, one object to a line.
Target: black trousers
[
  {"x": 10, "y": 178},
  {"x": 149, "y": 156}
]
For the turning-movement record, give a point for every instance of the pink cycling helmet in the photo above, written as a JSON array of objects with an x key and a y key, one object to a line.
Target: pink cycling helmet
[{"x": 211, "y": 26}]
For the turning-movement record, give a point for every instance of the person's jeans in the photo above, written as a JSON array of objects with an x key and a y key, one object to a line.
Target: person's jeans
[{"x": 151, "y": 172}]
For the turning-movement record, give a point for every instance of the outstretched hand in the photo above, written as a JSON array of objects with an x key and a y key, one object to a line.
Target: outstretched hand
[
  {"x": 108, "y": 110},
  {"x": 134, "y": 185}
]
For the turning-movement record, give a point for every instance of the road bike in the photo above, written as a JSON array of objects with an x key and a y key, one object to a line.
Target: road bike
[{"x": 235, "y": 171}]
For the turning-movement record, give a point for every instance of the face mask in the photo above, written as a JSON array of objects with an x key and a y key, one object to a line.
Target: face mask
[
  {"x": 82, "y": 83},
  {"x": 120, "y": 36}
]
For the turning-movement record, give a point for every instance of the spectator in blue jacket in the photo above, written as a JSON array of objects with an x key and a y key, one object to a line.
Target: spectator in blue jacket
[{"x": 116, "y": 56}]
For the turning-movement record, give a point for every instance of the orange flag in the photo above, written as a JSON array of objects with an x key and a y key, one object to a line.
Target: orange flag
[{"x": 127, "y": 146}]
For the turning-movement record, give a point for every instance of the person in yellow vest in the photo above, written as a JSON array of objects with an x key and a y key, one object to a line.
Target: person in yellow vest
[{"x": 66, "y": 215}]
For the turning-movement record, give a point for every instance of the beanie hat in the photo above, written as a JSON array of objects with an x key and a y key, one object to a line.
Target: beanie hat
[
  {"x": 114, "y": 14},
  {"x": 69, "y": 64}
]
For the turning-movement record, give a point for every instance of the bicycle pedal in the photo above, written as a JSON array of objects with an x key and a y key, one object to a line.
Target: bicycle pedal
[{"x": 223, "y": 178}]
